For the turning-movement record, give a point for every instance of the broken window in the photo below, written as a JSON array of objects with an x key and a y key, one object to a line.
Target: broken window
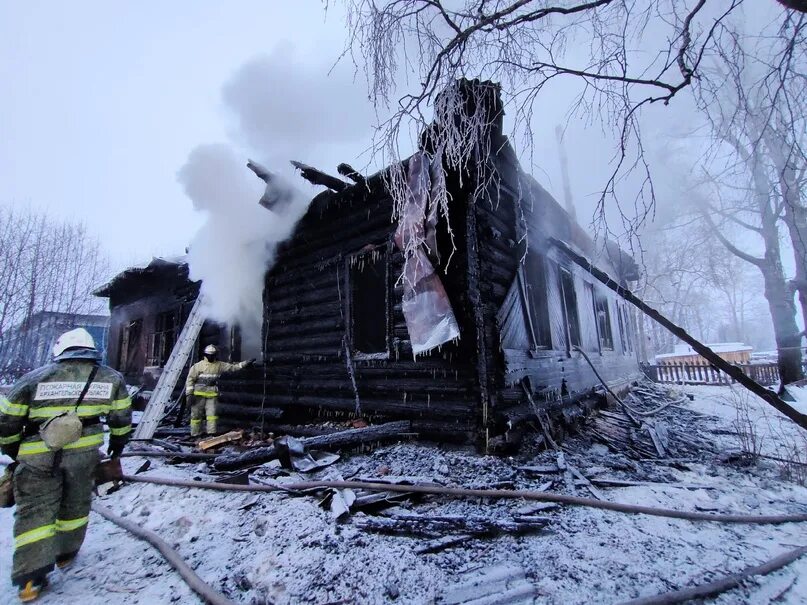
[
  {"x": 603, "y": 316},
  {"x": 628, "y": 335},
  {"x": 569, "y": 304},
  {"x": 622, "y": 332},
  {"x": 369, "y": 303},
  {"x": 161, "y": 342},
  {"x": 537, "y": 303},
  {"x": 129, "y": 345}
]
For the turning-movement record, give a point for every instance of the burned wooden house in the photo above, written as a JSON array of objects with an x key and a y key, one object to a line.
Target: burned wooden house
[
  {"x": 448, "y": 305},
  {"x": 148, "y": 307}
]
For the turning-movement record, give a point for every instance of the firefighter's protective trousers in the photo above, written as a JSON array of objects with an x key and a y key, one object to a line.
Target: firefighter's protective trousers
[
  {"x": 53, "y": 508},
  {"x": 203, "y": 410}
]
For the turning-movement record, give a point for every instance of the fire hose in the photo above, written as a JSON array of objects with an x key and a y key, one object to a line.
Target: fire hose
[
  {"x": 193, "y": 581},
  {"x": 481, "y": 493},
  {"x": 678, "y": 596}
]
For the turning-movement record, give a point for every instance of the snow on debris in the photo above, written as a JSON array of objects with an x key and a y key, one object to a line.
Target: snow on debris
[{"x": 271, "y": 548}]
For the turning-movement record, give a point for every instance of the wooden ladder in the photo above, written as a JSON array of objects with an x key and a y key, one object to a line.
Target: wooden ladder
[{"x": 171, "y": 372}]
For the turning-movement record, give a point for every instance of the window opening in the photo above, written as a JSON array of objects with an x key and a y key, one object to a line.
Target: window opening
[
  {"x": 603, "y": 315},
  {"x": 569, "y": 304},
  {"x": 535, "y": 293},
  {"x": 162, "y": 341},
  {"x": 369, "y": 303},
  {"x": 130, "y": 343}
]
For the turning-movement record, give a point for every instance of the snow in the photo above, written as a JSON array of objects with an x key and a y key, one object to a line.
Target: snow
[{"x": 271, "y": 548}]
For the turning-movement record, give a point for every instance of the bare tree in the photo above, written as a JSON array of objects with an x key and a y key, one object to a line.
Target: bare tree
[
  {"x": 691, "y": 279},
  {"x": 624, "y": 54},
  {"x": 755, "y": 211},
  {"x": 47, "y": 265}
]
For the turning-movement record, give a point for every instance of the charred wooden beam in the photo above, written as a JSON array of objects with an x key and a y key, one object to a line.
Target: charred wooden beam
[
  {"x": 408, "y": 524},
  {"x": 342, "y": 439},
  {"x": 317, "y": 177},
  {"x": 348, "y": 171}
]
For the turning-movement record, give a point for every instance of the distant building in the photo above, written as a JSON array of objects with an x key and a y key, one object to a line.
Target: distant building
[
  {"x": 733, "y": 352},
  {"x": 29, "y": 345}
]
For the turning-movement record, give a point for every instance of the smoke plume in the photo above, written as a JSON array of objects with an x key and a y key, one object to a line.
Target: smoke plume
[
  {"x": 237, "y": 243},
  {"x": 280, "y": 109}
]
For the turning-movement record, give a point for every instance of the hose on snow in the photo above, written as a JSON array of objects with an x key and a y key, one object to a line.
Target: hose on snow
[
  {"x": 193, "y": 581},
  {"x": 481, "y": 493}
]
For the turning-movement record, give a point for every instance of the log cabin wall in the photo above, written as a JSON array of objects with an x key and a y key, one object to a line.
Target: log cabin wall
[
  {"x": 538, "y": 304},
  {"x": 330, "y": 351}
]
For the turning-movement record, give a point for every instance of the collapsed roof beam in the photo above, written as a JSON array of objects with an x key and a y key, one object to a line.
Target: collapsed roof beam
[
  {"x": 317, "y": 177},
  {"x": 346, "y": 170}
]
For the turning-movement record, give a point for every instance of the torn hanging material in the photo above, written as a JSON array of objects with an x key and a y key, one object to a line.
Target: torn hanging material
[{"x": 426, "y": 308}]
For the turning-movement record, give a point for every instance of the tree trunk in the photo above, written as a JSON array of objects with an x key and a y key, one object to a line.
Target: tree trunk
[
  {"x": 796, "y": 221},
  {"x": 783, "y": 315}
]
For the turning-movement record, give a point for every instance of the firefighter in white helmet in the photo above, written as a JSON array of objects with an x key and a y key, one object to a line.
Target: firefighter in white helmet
[
  {"x": 202, "y": 389},
  {"x": 51, "y": 425}
]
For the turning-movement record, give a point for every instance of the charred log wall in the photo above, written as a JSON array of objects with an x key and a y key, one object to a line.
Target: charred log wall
[
  {"x": 512, "y": 226},
  {"x": 313, "y": 369}
]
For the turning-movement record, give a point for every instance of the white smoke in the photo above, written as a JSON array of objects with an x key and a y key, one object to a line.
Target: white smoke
[
  {"x": 281, "y": 110},
  {"x": 237, "y": 243}
]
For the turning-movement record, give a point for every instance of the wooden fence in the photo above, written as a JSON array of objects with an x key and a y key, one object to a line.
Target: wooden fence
[{"x": 766, "y": 374}]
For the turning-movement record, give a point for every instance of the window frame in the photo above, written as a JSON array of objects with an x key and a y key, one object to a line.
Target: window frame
[
  {"x": 351, "y": 261},
  {"x": 567, "y": 272},
  {"x": 125, "y": 350},
  {"x": 598, "y": 299},
  {"x": 158, "y": 351},
  {"x": 540, "y": 338}
]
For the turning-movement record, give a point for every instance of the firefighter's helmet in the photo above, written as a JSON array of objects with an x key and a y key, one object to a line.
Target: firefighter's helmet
[
  {"x": 74, "y": 339},
  {"x": 211, "y": 350}
]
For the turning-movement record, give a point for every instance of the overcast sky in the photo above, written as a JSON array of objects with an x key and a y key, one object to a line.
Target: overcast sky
[{"x": 102, "y": 102}]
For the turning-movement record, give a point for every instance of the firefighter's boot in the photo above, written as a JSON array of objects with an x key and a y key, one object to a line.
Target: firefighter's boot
[{"x": 33, "y": 589}]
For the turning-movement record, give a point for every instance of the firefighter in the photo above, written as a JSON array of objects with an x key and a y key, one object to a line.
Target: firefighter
[
  {"x": 202, "y": 390},
  {"x": 53, "y": 434}
]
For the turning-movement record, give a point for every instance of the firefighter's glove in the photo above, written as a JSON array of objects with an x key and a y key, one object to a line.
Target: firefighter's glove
[
  {"x": 251, "y": 362},
  {"x": 115, "y": 451}
]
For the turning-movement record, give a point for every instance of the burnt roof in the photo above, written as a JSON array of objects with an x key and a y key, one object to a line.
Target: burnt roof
[{"x": 156, "y": 266}]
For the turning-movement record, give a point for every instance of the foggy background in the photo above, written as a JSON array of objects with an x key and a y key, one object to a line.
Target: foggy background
[{"x": 139, "y": 120}]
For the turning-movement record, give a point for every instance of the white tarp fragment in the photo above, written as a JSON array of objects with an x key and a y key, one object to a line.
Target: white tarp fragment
[{"x": 426, "y": 308}]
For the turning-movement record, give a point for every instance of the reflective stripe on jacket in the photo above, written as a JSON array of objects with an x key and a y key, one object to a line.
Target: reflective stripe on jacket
[
  {"x": 54, "y": 390},
  {"x": 204, "y": 375}
]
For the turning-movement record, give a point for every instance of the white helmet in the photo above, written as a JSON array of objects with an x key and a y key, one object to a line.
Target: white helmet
[
  {"x": 74, "y": 339},
  {"x": 211, "y": 350}
]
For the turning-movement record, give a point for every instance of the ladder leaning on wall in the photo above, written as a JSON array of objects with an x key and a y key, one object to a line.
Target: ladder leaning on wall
[{"x": 171, "y": 372}]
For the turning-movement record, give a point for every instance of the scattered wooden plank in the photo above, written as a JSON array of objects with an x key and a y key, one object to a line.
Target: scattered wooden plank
[
  {"x": 443, "y": 543},
  {"x": 206, "y": 444},
  {"x": 544, "y": 469},
  {"x": 339, "y": 440},
  {"x": 503, "y": 583},
  {"x": 608, "y": 482},
  {"x": 407, "y": 524},
  {"x": 651, "y": 430},
  {"x": 563, "y": 467},
  {"x": 377, "y": 500},
  {"x": 594, "y": 491}
]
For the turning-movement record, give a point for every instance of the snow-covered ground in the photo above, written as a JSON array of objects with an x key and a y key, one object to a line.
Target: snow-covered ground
[{"x": 272, "y": 548}]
